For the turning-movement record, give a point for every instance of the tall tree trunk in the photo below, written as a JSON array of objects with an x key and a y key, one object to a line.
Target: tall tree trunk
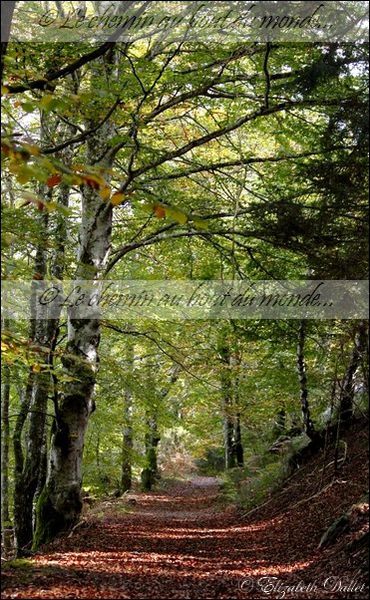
[
  {"x": 6, "y": 529},
  {"x": 152, "y": 439},
  {"x": 127, "y": 444},
  {"x": 301, "y": 366},
  {"x": 348, "y": 384},
  {"x": 150, "y": 474},
  {"x": 127, "y": 441},
  {"x": 43, "y": 333},
  {"x": 238, "y": 445},
  {"x": 20, "y": 513},
  {"x": 60, "y": 503},
  {"x": 41, "y": 475},
  {"x": 29, "y": 477},
  {"x": 238, "y": 449},
  {"x": 228, "y": 439},
  {"x": 27, "y": 474},
  {"x": 227, "y": 404}
]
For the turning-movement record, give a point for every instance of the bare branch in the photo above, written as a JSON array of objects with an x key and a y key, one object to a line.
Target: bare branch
[
  {"x": 213, "y": 135},
  {"x": 242, "y": 162},
  {"x": 50, "y": 76}
]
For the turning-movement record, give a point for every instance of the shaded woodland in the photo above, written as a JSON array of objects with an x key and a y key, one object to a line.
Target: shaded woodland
[{"x": 180, "y": 160}]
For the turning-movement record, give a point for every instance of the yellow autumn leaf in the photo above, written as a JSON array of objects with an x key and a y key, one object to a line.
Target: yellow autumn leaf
[
  {"x": 51, "y": 206},
  {"x": 47, "y": 164},
  {"x": 176, "y": 215},
  {"x": 104, "y": 192},
  {"x": 13, "y": 167},
  {"x": 46, "y": 100},
  {"x": 76, "y": 180},
  {"x": 200, "y": 224},
  {"x": 24, "y": 174},
  {"x": 117, "y": 198},
  {"x": 32, "y": 149}
]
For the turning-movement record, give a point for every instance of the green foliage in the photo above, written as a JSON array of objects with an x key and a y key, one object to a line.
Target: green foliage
[
  {"x": 213, "y": 462},
  {"x": 196, "y": 194},
  {"x": 252, "y": 485}
]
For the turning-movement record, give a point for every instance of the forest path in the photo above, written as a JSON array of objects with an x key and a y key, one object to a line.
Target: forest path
[{"x": 177, "y": 543}]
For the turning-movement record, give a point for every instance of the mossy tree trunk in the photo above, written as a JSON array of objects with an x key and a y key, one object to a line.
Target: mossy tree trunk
[
  {"x": 5, "y": 441},
  {"x": 19, "y": 500},
  {"x": 30, "y": 471},
  {"x": 34, "y": 405},
  {"x": 27, "y": 481},
  {"x": 60, "y": 504},
  {"x": 42, "y": 473}
]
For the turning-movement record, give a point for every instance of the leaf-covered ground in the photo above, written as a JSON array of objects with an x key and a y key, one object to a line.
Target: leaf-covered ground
[{"x": 181, "y": 543}]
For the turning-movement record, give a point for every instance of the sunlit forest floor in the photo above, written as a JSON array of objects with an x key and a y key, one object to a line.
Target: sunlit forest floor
[{"x": 182, "y": 541}]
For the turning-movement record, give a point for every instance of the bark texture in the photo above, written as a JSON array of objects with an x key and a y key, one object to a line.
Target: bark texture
[
  {"x": 5, "y": 442},
  {"x": 34, "y": 410},
  {"x": 31, "y": 472},
  {"x": 60, "y": 503}
]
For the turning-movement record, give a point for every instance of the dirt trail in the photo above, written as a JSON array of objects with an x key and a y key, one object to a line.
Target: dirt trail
[{"x": 177, "y": 544}]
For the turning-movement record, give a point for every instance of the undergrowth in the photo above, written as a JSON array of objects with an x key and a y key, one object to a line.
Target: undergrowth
[{"x": 261, "y": 476}]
